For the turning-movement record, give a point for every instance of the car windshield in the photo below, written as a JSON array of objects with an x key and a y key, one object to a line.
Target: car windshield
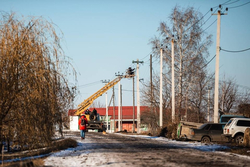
[
  {"x": 202, "y": 126},
  {"x": 229, "y": 122}
]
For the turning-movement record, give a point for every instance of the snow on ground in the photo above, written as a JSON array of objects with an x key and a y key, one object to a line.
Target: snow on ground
[
  {"x": 79, "y": 156},
  {"x": 183, "y": 144},
  {"x": 71, "y": 156}
]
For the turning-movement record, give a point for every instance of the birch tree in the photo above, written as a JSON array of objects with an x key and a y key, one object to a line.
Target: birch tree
[{"x": 184, "y": 25}]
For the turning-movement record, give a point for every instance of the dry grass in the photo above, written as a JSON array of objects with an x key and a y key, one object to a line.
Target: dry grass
[{"x": 56, "y": 146}]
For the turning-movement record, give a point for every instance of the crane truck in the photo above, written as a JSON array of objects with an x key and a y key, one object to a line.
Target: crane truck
[{"x": 94, "y": 122}]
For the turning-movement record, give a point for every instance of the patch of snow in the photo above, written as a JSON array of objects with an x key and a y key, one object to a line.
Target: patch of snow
[
  {"x": 25, "y": 158},
  {"x": 238, "y": 155},
  {"x": 183, "y": 144}
]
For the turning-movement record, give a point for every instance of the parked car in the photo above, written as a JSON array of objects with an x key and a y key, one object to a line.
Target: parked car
[
  {"x": 207, "y": 132},
  {"x": 235, "y": 128}
]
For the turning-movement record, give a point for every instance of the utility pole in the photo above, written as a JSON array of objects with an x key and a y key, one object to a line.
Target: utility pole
[
  {"x": 121, "y": 108},
  {"x": 161, "y": 113},
  {"x": 106, "y": 81},
  {"x": 173, "y": 86},
  {"x": 130, "y": 73},
  {"x": 138, "y": 95},
  {"x": 133, "y": 105},
  {"x": 151, "y": 82},
  {"x": 216, "y": 85},
  {"x": 114, "y": 108},
  {"x": 119, "y": 102},
  {"x": 151, "y": 90},
  {"x": 208, "y": 104}
]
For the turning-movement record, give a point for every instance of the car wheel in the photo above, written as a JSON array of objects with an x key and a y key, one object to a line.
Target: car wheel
[
  {"x": 239, "y": 139},
  {"x": 205, "y": 139}
]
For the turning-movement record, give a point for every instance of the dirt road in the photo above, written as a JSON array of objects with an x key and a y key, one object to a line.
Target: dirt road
[{"x": 121, "y": 150}]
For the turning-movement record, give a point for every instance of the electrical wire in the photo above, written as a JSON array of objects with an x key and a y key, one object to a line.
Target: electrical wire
[
  {"x": 239, "y": 5},
  {"x": 88, "y": 84},
  {"x": 231, "y": 2},
  {"x": 235, "y": 51},
  {"x": 225, "y": 3},
  {"x": 209, "y": 25},
  {"x": 147, "y": 55},
  {"x": 208, "y": 62},
  {"x": 197, "y": 21}
]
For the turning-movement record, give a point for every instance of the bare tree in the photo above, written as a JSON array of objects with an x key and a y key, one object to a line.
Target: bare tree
[
  {"x": 151, "y": 117},
  {"x": 228, "y": 95},
  {"x": 191, "y": 47},
  {"x": 97, "y": 104},
  {"x": 198, "y": 92}
]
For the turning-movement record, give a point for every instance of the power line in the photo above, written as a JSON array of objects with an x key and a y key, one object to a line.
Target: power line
[
  {"x": 197, "y": 21},
  {"x": 209, "y": 25},
  {"x": 89, "y": 84},
  {"x": 235, "y": 51},
  {"x": 239, "y": 5},
  {"x": 210, "y": 16},
  {"x": 147, "y": 55},
  {"x": 208, "y": 62},
  {"x": 231, "y": 2},
  {"x": 225, "y": 3}
]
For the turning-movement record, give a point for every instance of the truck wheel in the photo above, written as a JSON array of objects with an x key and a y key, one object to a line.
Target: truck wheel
[
  {"x": 239, "y": 139},
  {"x": 205, "y": 139},
  {"x": 92, "y": 117}
]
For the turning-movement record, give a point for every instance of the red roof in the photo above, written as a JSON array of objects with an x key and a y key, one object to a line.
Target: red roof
[{"x": 127, "y": 111}]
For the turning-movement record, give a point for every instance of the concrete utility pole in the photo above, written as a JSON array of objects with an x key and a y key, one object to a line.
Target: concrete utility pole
[
  {"x": 151, "y": 83},
  {"x": 138, "y": 96},
  {"x": 208, "y": 104},
  {"x": 119, "y": 102},
  {"x": 216, "y": 86},
  {"x": 114, "y": 109},
  {"x": 151, "y": 90},
  {"x": 173, "y": 86},
  {"x": 121, "y": 108},
  {"x": 161, "y": 113},
  {"x": 133, "y": 105},
  {"x": 106, "y": 81}
]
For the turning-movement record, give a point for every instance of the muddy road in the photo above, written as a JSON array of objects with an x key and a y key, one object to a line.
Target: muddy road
[{"x": 123, "y": 150}]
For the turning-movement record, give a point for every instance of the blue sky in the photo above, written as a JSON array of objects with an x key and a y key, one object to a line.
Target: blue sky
[{"x": 103, "y": 36}]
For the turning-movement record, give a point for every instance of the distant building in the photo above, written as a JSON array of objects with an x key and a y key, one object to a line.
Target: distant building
[{"x": 126, "y": 118}]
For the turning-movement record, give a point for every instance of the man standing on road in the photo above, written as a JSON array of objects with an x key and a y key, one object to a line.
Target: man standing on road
[{"x": 82, "y": 126}]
